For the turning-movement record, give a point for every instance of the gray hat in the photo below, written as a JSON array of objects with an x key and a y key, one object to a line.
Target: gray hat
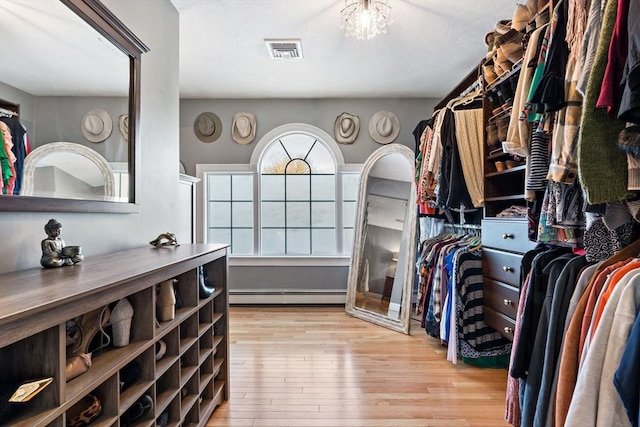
[
  {"x": 96, "y": 125},
  {"x": 207, "y": 127},
  {"x": 243, "y": 129},
  {"x": 346, "y": 128},
  {"x": 384, "y": 127}
]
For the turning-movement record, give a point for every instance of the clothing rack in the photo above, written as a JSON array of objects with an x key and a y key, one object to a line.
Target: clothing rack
[
  {"x": 462, "y": 226},
  {"x": 473, "y": 87}
]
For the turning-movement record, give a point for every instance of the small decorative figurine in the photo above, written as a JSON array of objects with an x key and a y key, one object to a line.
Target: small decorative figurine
[
  {"x": 54, "y": 251},
  {"x": 165, "y": 239}
]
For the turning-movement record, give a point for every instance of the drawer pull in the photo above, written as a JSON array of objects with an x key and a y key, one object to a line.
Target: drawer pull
[
  {"x": 507, "y": 302},
  {"x": 508, "y": 330},
  {"x": 507, "y": 269},
  {"x": 507, "y": 236}
]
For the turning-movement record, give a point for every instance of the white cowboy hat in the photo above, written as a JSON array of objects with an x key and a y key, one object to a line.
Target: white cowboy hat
[
  {"x": 123, "y": 125},
  {"x": 207, "y": 127},
  {"x": 384, "y": 127},
  {"x": 243, "y": 129},
  {"x": 346, "y": 128},
  {"x": 96, "y": 125}
]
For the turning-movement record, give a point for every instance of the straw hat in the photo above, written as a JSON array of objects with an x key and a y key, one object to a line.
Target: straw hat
[
  {"x": 96, "y": 125},
  {"x": 123, "y": 125},
  {"x": 207, "y": 127},
  {"x": 243, "y": 129},
  {"x": 384, "y": 127},
  {"x": 346, "y": 128}
]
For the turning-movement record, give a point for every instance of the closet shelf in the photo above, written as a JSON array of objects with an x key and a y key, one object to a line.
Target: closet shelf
[
  {"x": 506, "y": 171},
  {"x": 498, "y": 155},
  {"x": 501, "y": 79}
]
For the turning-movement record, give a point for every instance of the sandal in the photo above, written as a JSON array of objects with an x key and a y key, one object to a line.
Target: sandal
[{"x": 90, "y": 324}]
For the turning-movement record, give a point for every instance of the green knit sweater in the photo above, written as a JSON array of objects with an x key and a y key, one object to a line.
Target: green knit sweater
[{"x": 602, "y": 166}]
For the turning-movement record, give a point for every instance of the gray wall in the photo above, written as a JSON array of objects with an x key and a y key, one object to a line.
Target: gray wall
[
  {"x": 159, "y": 138},
  {"x": 271, "y": 113}
]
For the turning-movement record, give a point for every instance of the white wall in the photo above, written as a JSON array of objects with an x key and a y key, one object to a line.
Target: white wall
[{"x": 156, "y": 23}]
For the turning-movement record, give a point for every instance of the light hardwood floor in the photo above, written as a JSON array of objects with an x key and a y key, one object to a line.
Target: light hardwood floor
[{"x": 316, "y": 366}]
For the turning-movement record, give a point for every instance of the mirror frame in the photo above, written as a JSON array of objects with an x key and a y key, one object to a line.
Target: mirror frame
[
  {"x": 403, "y": 323},
  {"x": 108, "y": 25}
]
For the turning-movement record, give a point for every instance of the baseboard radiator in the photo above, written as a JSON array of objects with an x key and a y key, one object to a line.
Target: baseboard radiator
[{"x": 287, "y": 296}]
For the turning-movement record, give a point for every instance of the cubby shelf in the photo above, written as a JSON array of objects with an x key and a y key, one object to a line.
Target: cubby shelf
[{"x": 34, "y": 323}]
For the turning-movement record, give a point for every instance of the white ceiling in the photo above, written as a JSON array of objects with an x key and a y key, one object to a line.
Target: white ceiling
[{"x": 429, "y": 48}]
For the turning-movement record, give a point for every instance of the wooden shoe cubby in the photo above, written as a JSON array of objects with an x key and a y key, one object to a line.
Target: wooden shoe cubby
[{"x": 188, "y": 382}]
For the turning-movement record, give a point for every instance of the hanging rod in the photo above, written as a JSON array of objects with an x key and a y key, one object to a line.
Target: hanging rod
[{"x": 463, "y": 226}]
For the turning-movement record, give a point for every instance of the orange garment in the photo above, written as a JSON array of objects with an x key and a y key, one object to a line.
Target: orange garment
[
  {"x": 615, "y": 278},
  {"x": 568, "y": 371},
  {"x": 598, "y": 285}
]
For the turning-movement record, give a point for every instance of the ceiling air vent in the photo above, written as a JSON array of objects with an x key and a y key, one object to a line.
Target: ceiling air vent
[{"x": 284, "y": 48}]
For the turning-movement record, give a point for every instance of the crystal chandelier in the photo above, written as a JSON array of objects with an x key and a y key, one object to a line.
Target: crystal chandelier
[{"x": 365, "y": 19}]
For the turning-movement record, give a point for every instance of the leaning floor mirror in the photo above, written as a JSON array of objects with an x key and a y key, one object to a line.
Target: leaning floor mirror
[{"x": 382, "y": 267}]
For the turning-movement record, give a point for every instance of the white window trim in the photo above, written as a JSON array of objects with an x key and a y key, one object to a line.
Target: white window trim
[{"x": 340, "y": 259}]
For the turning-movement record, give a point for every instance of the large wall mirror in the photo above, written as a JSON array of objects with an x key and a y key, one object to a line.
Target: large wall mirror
[
  {"x": 382, "y": 266},
  {"x": 70, "y": 82}
]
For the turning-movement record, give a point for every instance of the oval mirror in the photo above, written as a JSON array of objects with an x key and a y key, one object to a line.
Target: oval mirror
[
  {"x": 77, "y": 75},
  {"x": 381, "y": 271}
]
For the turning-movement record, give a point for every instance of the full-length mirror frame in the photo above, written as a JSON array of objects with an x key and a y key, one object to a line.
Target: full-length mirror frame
[
  {"x": 405, "y": 257},
  {"x": 109, "y": 26}
]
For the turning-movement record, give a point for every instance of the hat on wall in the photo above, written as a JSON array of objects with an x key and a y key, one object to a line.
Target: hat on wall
[
  {"x": 96, "y": 125},
  {"x": 384, "y": 127},
  {"x": 123, "y": 125},
  {"x": 346, "y": 128},
  {"x": 207, "y": 127},
  {"x": 243, "y": 129}
]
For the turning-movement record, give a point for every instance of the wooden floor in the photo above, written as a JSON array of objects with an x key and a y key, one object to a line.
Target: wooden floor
[{"x": 310, "y": 366}]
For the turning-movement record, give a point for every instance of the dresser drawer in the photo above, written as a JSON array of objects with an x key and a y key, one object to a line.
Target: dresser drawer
[
  {"x": 501, "y": 266},
  {"x": 501, "y": 323},
  {"x": 501, "y": 297},
  {"x": 508, "y": 235}
]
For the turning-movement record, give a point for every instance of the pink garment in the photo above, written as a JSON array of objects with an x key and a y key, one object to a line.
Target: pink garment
[
  {"x": 611, "y": 89},
  {"x": 512, "y": 406}
]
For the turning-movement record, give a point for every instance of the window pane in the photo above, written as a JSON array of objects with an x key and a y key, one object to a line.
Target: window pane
[
  {"x": 324, "y": 241},
  {"x": 298, "y": 187},
  {"x": 242, "y": 214},
  {"x": 298, "y": 144},
  {"x": 298, "y": 242},
  {"x": 219, "y": 187},
  {"x": 242, "y": 241},
  {"x": 323, "y": 187},
  {"x": 350, "y": 182},
  {"x": 273, "y": 214},
  {"x": 272, "y": 187},
  {"x": 323, "y": 214},
  {"x": 348, "y": 213},
  {"x": 321, "y": 159},
  {"x": 273, "y": 242},
  {"x": 298, "y": 167},
  {"x": 298, "y": 214},
  {"x": 219, "y": 235},
  {"x": 219, "y": 214},
  {"x": 274, "y": 159},
  {"x": 347, "y": 240},
  {"x": 242, "y": 187}
]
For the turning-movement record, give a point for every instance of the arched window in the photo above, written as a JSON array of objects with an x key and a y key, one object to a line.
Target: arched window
[
  {"x": 298, "y": 197},
  {"x": 305, "y": 197}
]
